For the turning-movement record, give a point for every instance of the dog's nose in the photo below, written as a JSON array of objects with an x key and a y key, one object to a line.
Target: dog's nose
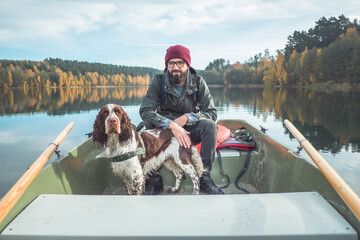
[{"x": 112, "y": 120}]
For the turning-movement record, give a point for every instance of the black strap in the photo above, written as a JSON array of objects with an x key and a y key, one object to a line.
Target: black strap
[
  {"x": 195, "y": 95},
  {"x": 243, "y": 170},
  {"x": 222, "y": 171},
  {"x": 162, "y": 90},
  {"x": 126, "y": 156},
  {"x": 246, "y": 166}
]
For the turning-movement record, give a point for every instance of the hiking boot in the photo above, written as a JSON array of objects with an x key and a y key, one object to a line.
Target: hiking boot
[
  {"x": 154, "y": 185},
  {"x": 208, "y": 186}
]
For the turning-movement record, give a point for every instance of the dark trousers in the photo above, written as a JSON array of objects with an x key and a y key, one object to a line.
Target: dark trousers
[{"x": 205, "y": 131}]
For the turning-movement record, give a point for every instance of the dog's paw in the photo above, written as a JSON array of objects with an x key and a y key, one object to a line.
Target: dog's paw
[
  {"x": 173, "y": 190},
  {"x": 196, "y": 192},
  {"x": 108, "y": 191}
]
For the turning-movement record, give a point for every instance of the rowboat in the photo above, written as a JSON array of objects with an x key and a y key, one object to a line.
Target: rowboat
[{"x": 281, "y": 196}]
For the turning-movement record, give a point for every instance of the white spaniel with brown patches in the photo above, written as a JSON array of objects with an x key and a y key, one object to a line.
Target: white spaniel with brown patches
[{"x": 112, "y": 128}]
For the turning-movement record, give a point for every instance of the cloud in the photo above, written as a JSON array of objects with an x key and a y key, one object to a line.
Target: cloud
[
  {"x": 64, "y": 19},
  {"x": 139, "y": 32},
  {"x": 52, "y": 19},
  {"x": 187, "y": 16}
]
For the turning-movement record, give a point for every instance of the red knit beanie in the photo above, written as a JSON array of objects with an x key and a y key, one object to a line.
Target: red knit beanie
[{"x": 178, "y": 51}]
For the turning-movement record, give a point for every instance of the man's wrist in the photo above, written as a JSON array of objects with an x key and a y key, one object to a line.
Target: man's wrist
[
  {"x": 172, "y": 125},
  {"x": 192, "y": 117},
  {"x": 165, "y": 123}
]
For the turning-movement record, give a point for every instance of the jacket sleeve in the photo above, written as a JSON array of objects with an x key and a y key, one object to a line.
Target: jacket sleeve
[
  {"x": 151, "y": 102},
  {"x": 206, "y": 102}
]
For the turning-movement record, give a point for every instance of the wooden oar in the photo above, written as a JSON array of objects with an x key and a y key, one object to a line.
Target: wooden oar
[
  {"x": 9, "y": 200},
  {"x": 351, "y": 199}
]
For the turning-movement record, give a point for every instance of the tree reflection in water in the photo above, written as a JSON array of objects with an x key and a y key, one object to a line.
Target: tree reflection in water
[{"x": 329, "y": 119}]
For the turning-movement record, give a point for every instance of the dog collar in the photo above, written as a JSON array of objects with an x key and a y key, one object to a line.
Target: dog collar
[
  {"x": 126, "y": 156},
  {"x": 122, "y": 157}
]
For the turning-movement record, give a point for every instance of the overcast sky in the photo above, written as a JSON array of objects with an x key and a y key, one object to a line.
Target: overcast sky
[{"x": 137, "y": 33}]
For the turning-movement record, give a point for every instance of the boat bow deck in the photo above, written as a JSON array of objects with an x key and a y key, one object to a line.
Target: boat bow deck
[{"x": 260, "y": 216}]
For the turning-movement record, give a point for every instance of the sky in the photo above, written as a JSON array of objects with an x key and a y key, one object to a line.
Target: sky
[{"x": 137, "y": 33}]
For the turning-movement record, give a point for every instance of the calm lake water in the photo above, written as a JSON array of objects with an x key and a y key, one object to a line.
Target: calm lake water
[{"x": 31, "y": 119}]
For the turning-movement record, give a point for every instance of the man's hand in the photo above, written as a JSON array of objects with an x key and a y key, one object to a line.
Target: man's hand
[
  {"x": 180, "y": 134},
  {"x": 181, "y": 121}
]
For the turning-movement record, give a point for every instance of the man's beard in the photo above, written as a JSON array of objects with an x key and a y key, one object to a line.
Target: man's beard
[{"x": 176, "y": 80}]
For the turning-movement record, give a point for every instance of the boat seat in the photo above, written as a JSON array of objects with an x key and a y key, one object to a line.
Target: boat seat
[
  {"x": 232, "y": 153},
  {"x": 303, "y": 215},
  {"x": 228, "y": 153}
]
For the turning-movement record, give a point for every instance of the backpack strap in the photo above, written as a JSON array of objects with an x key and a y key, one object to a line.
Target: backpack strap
[
  {"x": 162, "y": 89},
  {"x": 195, "y": 95}
]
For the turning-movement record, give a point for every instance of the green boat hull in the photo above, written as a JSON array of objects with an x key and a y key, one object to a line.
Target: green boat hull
[{"x": 273, "y": 168}]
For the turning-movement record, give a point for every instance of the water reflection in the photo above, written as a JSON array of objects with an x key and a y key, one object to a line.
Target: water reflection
[
  {"x": 329, "y": 119},
  {"x": 61, "y": 101}
]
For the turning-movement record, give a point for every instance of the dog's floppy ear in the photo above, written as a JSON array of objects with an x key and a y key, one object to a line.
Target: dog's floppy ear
[
  {"x": 99, "y": 134},
  {"x": 125, "y": 125}
]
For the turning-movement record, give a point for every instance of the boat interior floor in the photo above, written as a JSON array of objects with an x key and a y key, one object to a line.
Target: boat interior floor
[
  {"x": 232, "y": 163},
  {"x": 301, "y": 215}
]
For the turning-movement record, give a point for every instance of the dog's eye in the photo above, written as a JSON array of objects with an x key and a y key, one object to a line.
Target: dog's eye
[
  {"x": 117, "y": 110},
  {"x": 106, "y": 113}
]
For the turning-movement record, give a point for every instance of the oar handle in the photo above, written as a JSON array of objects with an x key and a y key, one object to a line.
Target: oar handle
[
  {"x": 351, "y": 199},
  {"x": 9, "y": 200}
]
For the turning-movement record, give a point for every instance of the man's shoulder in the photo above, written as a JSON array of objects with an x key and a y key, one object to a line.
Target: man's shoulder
[
  {"x": 157, "y": 78},
  {"x": 200, "y": 81},
  {"x": 195, "y": 75}
]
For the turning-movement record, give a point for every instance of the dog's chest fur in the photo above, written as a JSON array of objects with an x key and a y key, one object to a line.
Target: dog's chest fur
[{"x": 114, "y": 146}]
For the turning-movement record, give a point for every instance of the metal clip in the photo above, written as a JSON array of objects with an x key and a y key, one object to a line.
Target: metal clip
[
  {"x": 57, "y": 152},
  {"x": 89, "y": 135},
  {"x": 56, "y": 145},
  {"x": 299, "y": 150},
  {"x": 263, "y": 129}
]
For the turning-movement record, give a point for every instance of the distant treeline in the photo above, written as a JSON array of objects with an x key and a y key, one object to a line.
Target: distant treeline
[
  {"x": 65, "y": 73},
  {"x": 327, "y": 53}
]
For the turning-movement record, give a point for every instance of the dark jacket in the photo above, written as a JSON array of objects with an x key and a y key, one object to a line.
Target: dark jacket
[{"x": 172, "y": 106}]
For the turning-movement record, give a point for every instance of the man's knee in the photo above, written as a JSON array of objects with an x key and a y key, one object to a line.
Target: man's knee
[{"x": 209, "y": 126}]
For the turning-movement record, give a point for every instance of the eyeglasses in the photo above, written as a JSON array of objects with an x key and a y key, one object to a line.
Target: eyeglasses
[{"x": 179, "y": 64}]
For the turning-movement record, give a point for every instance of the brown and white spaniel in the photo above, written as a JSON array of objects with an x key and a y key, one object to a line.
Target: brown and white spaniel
[{"x": 112, "y": 129}]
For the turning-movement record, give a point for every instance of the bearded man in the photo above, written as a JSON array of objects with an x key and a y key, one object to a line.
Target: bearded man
[{"x": 180, "y": 100}]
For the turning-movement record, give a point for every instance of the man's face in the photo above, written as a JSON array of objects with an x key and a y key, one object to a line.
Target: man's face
[
  {"x": 177, "y": 68},
  {"x": 173, "y": 66}
]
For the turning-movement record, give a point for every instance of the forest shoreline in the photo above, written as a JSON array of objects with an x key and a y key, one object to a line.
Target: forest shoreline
[{"x": 346, "y": 86}]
